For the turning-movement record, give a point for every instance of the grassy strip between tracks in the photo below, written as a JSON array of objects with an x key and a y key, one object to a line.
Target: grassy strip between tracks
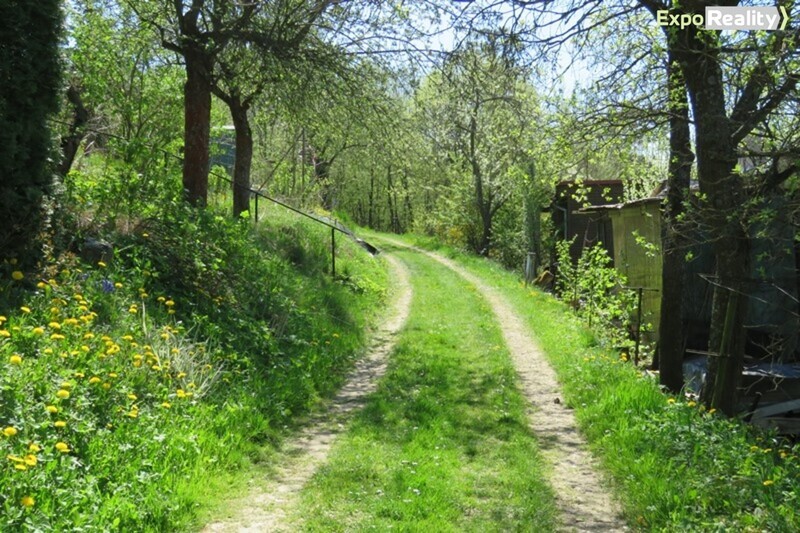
[
  {"x": 676, "y": 466},
  {"x": 443, "y": 445}
]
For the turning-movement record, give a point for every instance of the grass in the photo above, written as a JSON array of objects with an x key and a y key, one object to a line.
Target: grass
[
  {"x": 134, "y": 394},
  {"x": 443, "y": 445},
  {"x": 676, "y": 466}
]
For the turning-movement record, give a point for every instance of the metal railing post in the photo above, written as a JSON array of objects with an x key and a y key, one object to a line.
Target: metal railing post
[{"x": 333, "y": 252}]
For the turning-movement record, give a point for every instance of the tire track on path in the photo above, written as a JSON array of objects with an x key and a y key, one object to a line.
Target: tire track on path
[
  {"x": 583, "y": 501},
  {"x": 265, "y": 508}
]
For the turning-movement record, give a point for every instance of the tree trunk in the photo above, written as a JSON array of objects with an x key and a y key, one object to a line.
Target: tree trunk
[
  {"x": 71, "y": 142},
  {"x": 407, "y": 192},
  {"x": 370, "y": 221},
  {"x": 671, "y": 332},
  {"x": 197, "y": 124},
  {"x": 716, "y": 160},
  {"x": 244, "y": 156}
]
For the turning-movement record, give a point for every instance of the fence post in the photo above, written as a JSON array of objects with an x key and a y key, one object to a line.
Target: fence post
[
  {"x": 333, "y": 253},
  {"x": 638, "y": 326}
]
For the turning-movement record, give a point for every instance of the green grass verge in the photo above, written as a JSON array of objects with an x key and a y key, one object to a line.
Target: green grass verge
[
  {"x": 134, "y": 394},
  {"x": 676, "y": 466},
  {"x": 443, "y": 445}
]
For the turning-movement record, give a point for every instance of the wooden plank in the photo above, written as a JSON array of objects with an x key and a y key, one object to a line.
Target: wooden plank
[{"x": 776, "y": 409}]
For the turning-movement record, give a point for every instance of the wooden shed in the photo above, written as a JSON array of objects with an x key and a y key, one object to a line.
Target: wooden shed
[
  {"x": 584, "y": 228},
  {"x": 772, "y": 290}
]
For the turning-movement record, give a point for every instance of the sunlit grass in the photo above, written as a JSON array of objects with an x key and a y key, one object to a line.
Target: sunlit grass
[
  {"x": 676, "y": 466},
  {"x": 135, "y": 391},
  {"x": 444, "y": 444}
]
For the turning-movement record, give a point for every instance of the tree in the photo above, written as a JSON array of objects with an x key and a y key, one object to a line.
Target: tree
[
  {"x": 30, "y": 68},
  {"x": 125, "y": 82},
  {"x": 770, "y": 78},
  {"x": 280, "y": 40},
  {"x": 737, "y": 84},
  {"x": 478, "y": 110},
  {"x": 198, "y": 31}
]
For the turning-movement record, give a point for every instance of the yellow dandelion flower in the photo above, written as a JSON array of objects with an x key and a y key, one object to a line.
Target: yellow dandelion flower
[
  {"x": 133, "y": 310},
  {"x": 51, "y": 409},
  {"x": 41, "y": 285},
  {"x": 181, "y": 375},
  {"x": 118, "y": 285},
  {"x": 63, "y": 394},
  {"x": 15, "y": 359},
  {"x": 30, "y": 460},
  {"x": 169, "y": 303},
  {"x": 161, "y": 299},
  {"x": 712, "y": 411},
  {"x": 132, "y": 397},
  {"x": 101, "y": 264},
  {"x": 181, "y": 393},
  {"x": 128, "y": 338},
  {"x": 88, "y": 336},
  {"x": 2, "y": 319},
  {"x": 166, "y": 405},
  {"x": 33, "y": 447},
  {"x": 106, "y": 385},
  {"x": 60, "y": 424},
  {"x": 143, "y": 294},
  {"x": 133, "y": 414},
  {"x": 38, "y": 331},
  {"x": 71, "y": 321},
  {"x": 25, "y": 309},
  {"x": 17, "y": 275},
  {"x": 113, "y": 375},
  {"x": 79, "y": 375},
  {"x": 691, "y": 404},
  {"x": 83, "y": 309},
  {"x": 27, "y": 501},
  {"x": 10, "y": 431},
  {"x": 768, "y": 482},
  {"x": 165, "y": 336},
  {"x": 20, "y": 466},
  {"x": 57, "y": 337},
  {"x": 85, "y": 348},
  {"x": 48, "y": 351},
  {"x": 137, "y": 364},
  {"x": 670, "y": 400},
  {"x": 170, "y": 311},
  {"x": 15, "y": 459},
  {"x": 5, "y": 333},
  {"x": 54, "y": 325},
  {"x": 62, "y": 447}
]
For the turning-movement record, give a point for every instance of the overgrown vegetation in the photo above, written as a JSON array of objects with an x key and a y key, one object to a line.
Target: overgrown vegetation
[
  {"x": 676, "y": 465},
  {"x": 131, "y": 385},
  {"x": 597, "y": 293}
]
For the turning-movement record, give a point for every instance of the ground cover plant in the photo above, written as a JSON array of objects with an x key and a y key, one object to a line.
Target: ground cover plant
[
  {"x": 132, "y": 388},
  {"x": 443, "y": 445},
  {"x": 675, "y": 466}
]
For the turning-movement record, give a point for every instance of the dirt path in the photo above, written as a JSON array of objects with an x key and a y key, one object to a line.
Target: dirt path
[
  {"x": 584, "y": 503},
  {"x": 265, "y": 508}
]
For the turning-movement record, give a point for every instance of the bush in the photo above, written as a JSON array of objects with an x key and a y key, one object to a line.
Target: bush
[{"x": 31, "y": 74}]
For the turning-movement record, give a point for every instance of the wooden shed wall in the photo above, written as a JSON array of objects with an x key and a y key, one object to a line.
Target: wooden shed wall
[{"x": 640, "y": 264}]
